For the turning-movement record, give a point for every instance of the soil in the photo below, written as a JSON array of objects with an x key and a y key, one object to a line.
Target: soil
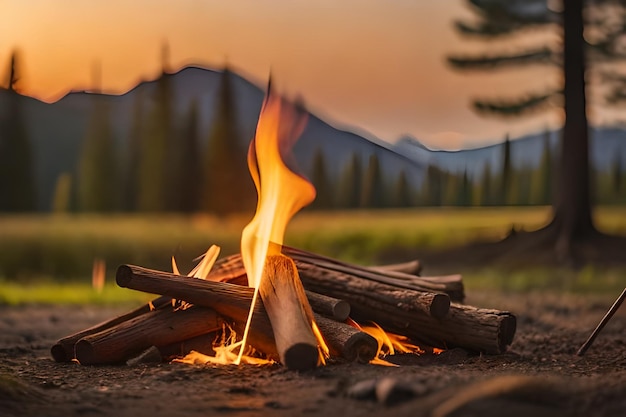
[{"x": 539, "y": 375}]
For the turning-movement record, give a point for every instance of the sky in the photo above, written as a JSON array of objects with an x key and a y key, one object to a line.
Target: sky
[{"x": 375, "y": 66}]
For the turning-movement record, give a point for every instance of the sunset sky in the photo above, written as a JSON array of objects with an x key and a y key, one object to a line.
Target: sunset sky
[{"x": 377, "y": 66}]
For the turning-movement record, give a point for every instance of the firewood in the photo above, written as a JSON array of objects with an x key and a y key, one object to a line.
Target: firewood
[
  {"x": 63, "y": 350},
  {"x": 203, "y": 343},
  {"x": 411, "y": 267},
  {"x": 129, "y": 338},
  {"x": 331, "y": 307},
  {"x": 315, "y": 266},
  {"x": 375, "y": 294},
  {"x": 289, "y": 312},
  {"x": 489, "y": 331},
  {"x": 346, "y": 341},
  {"x": 477, "y": 329}
]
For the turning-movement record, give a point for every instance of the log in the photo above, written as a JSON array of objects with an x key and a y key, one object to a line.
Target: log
[
  {"x": 476, "y": 329},
  {"x": 489, "y": 331},
  {"x": 330, "y": 307},
  {"x": 63, "y": 350},
  {"x": 313, "y": 266},
  {"x": 347, "y": 342},
  {"x": 374, "y": 294},
  {"x": 289, "y": 312},
  {"x": 203, "y": 344},
  {"x": 411, "y": 267},
  {"x": 129, "y": 338}
]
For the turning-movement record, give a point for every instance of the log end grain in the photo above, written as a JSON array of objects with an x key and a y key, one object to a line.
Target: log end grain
[
  {"x": 439, "y": 306},
  {"x": 123, "y": 276},
  {"x": 85, "y": 353},
  {"x": 300, "y": 357},
  {"x": 508, "y": 326},
  {"x": 341, "y": 310},
  {"x": 360, "y": 347},
  {"x": 60, "y": 354}
]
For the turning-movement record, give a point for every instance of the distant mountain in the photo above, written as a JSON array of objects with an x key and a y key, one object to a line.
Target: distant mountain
[
  {"x": 607, "y": 143},
  {"x": 57, "y": 129}
]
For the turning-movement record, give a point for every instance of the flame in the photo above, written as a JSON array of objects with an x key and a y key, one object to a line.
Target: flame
[
  {"x": 281, "y": 192},
  {"x": 388, "y": 343},
  {"x": 98, "y": 274}
]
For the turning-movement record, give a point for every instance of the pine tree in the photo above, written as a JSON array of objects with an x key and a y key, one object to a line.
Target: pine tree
[
  {"x": 433, "y": 188},
  {"x": 157, "y": 182},
  {"x": 131, "y": 184},
  {"x": 486, "y": 187},
  {"x": 349, "y": 190},
  {"x": 17, "y": 183},
  {"x": 401, "y": 196},
  {"x": 321, "y": 181},
  {"x": 188, "y": 163},
  {"x": 228, "y": 187},
  {"x": 505, "y": 179},
  {"x": 602, "y": 23},
  {"x": 97, "y": 173},
  {"x": 373, "y": 191}
]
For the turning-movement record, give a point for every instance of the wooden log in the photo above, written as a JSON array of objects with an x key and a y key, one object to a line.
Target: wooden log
[
  {"x": 374, "y": 294},
  {"x": 477, "y": 329},
  {"x": 330, "y": 307},
  {"x": 231, "y": 269},
  {"x": 160, "y": 327},
  {"x": 63, "y": 350},
  {"x": 347, "y": 342},
  {"x": 203, "y": 343},
  {"x": 464, "y": 328},
  {"x": 289, "y": 312},
  {"x": 411, "y": 267}
]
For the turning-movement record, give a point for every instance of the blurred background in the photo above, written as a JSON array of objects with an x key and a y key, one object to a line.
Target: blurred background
[{"x": 124, "y": 129}]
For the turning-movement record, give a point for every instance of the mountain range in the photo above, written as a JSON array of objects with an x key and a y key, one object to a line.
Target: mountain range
[{"x": 58, "y": 129}]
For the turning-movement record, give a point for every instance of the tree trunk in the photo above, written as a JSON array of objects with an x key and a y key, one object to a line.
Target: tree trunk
[{"x": 572, "y": 207}]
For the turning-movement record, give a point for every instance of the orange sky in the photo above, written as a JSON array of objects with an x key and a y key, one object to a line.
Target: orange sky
[{"x": 376, "y": 65}]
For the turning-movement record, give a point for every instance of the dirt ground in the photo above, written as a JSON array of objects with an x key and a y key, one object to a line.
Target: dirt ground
[{"x": 539, "y": 376}]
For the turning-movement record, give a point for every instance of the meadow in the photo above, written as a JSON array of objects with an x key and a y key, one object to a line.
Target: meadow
[{"x": 49, "y": 257}]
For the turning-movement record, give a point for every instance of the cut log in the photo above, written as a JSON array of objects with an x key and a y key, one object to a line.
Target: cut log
[
  {"x": 289, "y": 312},
  {"x": 63, "y": 350},
  {"x": 330, "y": 307},
  {"x": 375, "y": 294},
  {"x": 488, "y": 331},
  {"x": 230, "y": 269},
  {"x": 160, "y": 327},
  {"x": 477, "y": 329},
  {"x": 411, "y": 267},
  {"x": 347, "y": 342}
]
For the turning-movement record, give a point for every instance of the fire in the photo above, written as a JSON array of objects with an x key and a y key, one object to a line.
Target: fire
[
  {"x": 281, "y": 192},
  {"x": 388, "y": 343}
]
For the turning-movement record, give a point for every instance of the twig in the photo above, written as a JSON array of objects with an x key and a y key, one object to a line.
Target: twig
[{"x": 602, "y": 323}]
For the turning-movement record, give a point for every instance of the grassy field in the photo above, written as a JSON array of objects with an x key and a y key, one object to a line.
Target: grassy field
[{"x": 47, "y": 250}]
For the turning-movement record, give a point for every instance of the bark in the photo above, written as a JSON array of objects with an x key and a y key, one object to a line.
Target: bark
[
  {"x": 572, "y": 208},
  {"x": 289, "y": 312}
]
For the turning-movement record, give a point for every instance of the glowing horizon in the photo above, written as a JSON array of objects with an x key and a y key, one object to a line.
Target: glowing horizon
[{"x": 373, "y": 66}]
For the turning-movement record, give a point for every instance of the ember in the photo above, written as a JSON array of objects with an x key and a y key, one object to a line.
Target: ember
[{"x": 311, "y": 307}]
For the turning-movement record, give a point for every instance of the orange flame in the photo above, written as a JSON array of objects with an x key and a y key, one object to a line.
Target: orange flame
[{"x": 281, "y": 192}]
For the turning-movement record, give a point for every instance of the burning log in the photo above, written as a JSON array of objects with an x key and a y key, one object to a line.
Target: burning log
[
  {"x": 233, "y": 301},
  {"x": 348, "y": 342},
  {"x": 289, "y": 312},
  {"x": 330, "y": 307},
  {"x": 482, "y": 330},
  {"x": 160, "y": 327},
  {"x": 203, "y": 343},
  {"x": 489, "y": 331},
  {"x": 316, "y": 267},
  {"x": 63, "y": 350}
]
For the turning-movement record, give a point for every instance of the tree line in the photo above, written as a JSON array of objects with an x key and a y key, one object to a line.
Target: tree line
[{"x": 167, "y": 166}]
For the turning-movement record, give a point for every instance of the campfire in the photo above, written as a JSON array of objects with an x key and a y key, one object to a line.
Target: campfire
[{"x": 273, "y": 303}]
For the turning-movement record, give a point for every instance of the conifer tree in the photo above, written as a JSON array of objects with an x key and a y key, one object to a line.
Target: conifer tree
[
  {"x": 349, "y": 190},
  {"x": 188, "y": 163},
  {"x": 321, "y": 181},
  {"x": 373, "y": 191},
  {"x": 227, "y": 187},
  {"x": 97, "y": 172},
  {"x": 156, "y": 180},
  {"x": 401, "y": 196},
  {"x": 131, "y": 184},
  {"x": 486, "y": 186},
  {"x": 17, "y": 178}
]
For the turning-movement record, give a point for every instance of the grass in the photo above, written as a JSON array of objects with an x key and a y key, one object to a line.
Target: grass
[
  {"x": 51, "y": 256},
  {"x": 75, "y": 293}
]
